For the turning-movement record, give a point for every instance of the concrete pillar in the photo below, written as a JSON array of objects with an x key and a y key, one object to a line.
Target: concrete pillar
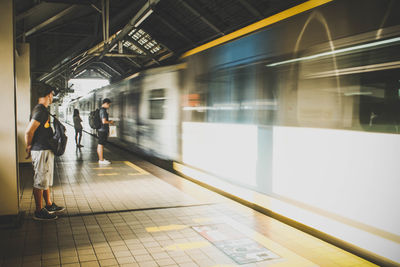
[
  {"x": 23, "y": 85},
  {"x": 8, "y": 133}
]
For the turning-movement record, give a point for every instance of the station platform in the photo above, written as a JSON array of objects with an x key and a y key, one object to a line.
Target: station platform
[{"x": 133, "y": 213}]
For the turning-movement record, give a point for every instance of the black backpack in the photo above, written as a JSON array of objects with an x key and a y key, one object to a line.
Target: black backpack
[
  {"x": 94, "y": 119},
  {"x": 59, "y": 140}
]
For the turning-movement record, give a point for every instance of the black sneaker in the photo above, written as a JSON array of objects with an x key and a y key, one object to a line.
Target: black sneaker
[
  {"x": 44, "y": 215},
  {"x": 53, "y": 208}
]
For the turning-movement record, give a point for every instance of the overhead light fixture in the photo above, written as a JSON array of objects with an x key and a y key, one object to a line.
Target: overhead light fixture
[
  {"x": 148, "y": 13},
  {"x": 352, "y": 48}
]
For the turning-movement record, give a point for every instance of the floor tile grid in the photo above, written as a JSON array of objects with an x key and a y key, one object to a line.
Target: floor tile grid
[
  {"x": 184, "y": 216},
  {"x": 142, "y": 197},
  {"x": 149, "y": 218}
]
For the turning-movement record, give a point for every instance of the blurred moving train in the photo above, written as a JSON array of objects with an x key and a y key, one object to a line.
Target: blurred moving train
[{"x": 306, "y": 110}]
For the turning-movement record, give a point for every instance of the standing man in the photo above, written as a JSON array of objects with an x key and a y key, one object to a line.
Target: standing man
[
  {"x": 103, "y": 131},
  {"x": 37, "y": 137}
]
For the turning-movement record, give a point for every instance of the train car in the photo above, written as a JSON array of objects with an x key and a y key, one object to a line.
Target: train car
[
  {"x": 159, "y": 112},
  {"x": 145, "y": 109},
  {"x": 305, "y": 110}
]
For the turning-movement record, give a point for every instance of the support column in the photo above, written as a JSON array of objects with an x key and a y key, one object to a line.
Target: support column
[
  {"x": 8, "y": 146},
  {"x": 23, "y": 85}
]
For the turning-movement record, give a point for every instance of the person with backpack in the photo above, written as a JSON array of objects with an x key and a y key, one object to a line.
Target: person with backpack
[
  {"x": 103, "y": 131},
  {"x": 78, "y": 128},
  {"x": 38, "y": 136}
]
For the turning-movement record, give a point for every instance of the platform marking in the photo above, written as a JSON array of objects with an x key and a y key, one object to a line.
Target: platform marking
[
  {"x": 291, "y": 258},
  {"x": 134, "y": 174},
  {"x": 237, "y": 246},
  {"x": 103, "y": 168},
  {"x": 133, "y": 166},
  {"x": 171, "y": 227},
  {"x": 107, "y": 174}
]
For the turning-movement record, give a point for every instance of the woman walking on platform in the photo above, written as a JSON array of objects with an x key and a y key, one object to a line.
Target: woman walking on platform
[{"x": 78, "y": 128}]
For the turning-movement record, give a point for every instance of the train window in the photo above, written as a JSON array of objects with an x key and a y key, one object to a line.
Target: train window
[
  {"x": 244, "y": 95},
  {"x": 266, "y": 101},
  {"x": 219, "y": 97},
  {"x": 195, "y": 98},
  {"x": 132, "y": 109},
  {"x": 157, "y": 101},
  {"x": 379, "y": 109},
  {"x": 232, "y": 95},
  {"x": 356, "y": 90}
]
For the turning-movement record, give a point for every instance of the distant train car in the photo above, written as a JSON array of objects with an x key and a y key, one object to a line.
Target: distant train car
[
  {"x": 145, "y": 110},
  {"x": 306, "y": 110}
]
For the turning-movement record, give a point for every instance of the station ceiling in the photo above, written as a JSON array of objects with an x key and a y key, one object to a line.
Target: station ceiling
[{"x": 115, "y": 38}]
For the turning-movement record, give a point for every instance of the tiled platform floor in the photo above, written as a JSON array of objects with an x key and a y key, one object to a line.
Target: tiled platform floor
[{"x": 133, "y": 213}]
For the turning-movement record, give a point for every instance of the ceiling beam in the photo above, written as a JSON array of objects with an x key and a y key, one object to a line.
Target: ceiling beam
[
  {"x": 68, "y": 58},
  {"x": 58, "y": 70},
  {"x": 145, "y": 11},
  {"x": 133, "y": 62},
  {"x": 174, "y": 29},
  {"x": 119, "y": 55},
  {"x": 72, "y": 2},
  {"x": 50, "y": 20},
  {"x": 96, "y": 8},
  {"x": 70, "y": 53},
  {"x": 67, "y": 33},
  {"x": 56, "y": 27},
  {"x": 29, "y": 12},
  {"x": 196, "y": 13},
  {"x": 101, "y": 72},
  {"x": 108, "y": 67},
  {"x": 83, "y": 60},
  {"x": 251, "y": 9},
  {"x": 114, "y": 65},
  {"x": 99, "y": 64}
]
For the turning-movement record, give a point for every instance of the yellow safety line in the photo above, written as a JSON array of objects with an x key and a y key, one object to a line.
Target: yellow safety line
[
  {"x": 258, "y": 25},
  {"x": 107, "y": 174},
  {"x": 133, "y": 166},
  {"x": 135, "y": 174},
  {"x": 103, "y": 168}
]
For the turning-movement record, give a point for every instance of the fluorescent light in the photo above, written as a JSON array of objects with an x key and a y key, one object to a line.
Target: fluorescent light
[
  {"x": 357, "y": 93},
  {"x": 143, "y": 18},
  {"x": 357, "y": 47},
  {"x": 354, "y": 70}
]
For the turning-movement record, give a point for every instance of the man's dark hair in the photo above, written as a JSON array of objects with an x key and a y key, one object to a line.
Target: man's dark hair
[
  {"x": 42, "y": 89},
  {"x": 106, "y": 100}
]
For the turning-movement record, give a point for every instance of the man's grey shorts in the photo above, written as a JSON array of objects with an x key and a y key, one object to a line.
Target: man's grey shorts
[{"x": 43, "y": 165}]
